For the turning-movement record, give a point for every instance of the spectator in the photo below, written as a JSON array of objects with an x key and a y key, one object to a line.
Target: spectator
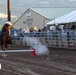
[
  {"x": 73, "y": 27},
  {"x": 39, "y": 30},
  {"x": 43, "y": 30},
  {"x": 20, "y": 32},
  {"x": 31, "y": 29}
]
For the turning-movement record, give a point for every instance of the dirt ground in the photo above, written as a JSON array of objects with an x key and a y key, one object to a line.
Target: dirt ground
[{"x": 58, "y": 62}]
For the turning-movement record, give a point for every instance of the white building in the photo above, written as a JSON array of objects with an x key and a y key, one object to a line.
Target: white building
[{"x": 38, "y": 17}]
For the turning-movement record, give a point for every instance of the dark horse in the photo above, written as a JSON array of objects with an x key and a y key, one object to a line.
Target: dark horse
[{"x": 5, "y": 36}]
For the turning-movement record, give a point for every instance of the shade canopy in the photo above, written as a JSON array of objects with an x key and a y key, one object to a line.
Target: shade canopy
[{"x": 67, "y": 18}]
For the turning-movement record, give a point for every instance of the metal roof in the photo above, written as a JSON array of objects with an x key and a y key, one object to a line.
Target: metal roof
[{"x": 52, "y": 13}]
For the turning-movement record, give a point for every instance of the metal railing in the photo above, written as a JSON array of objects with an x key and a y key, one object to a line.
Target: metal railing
[{"x": 64, "y": 39}]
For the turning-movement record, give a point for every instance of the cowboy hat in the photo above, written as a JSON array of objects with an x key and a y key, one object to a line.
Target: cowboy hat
[{"x": 8, "y": 23}]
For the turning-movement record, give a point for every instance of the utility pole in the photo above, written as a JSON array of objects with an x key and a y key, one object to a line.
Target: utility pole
[{"x": 8, "y": 10}]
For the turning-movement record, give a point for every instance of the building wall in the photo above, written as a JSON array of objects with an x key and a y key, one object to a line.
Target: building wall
[{"x": 31, "y": 19}]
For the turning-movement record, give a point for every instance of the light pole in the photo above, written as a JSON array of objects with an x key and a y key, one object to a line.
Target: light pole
[{"x": 8, "y": 10}]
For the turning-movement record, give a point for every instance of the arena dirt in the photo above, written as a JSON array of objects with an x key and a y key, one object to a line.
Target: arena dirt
[{"x": 58, "y": 62}]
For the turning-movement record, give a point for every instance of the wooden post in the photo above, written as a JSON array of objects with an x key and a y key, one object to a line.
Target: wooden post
[{"x": 8, "y": 10}]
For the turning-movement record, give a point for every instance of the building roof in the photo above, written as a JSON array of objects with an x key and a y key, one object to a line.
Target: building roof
[
  {"x": 67, "y": 18},
  {"x": 52, "y": 13}
]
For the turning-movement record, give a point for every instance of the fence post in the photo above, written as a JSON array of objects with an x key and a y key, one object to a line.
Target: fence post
[
  {"x": 68, "y": 38},
  {"x": 74, "y": 38},
  {"x": 56, "y": 38},
  {"x": 61, "y": 37}
]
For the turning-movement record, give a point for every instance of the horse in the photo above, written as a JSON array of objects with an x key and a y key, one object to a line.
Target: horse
[{"x": 5, "y": 38}]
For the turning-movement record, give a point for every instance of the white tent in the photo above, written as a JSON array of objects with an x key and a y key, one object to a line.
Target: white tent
[{"x": 67, "y": 18}]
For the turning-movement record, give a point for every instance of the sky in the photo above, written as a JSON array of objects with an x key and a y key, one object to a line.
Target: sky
[
  {"x": 5, "y": 16},
  {"x": 18, "y": 5}
]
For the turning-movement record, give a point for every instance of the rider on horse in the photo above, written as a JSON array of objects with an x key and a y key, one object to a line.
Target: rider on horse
[
  {"x": 6, "y": 26},
  {"x": 5, "y": 36}
]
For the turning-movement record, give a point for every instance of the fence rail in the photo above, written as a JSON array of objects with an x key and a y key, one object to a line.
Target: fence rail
[{"x": 64, "y": 39}]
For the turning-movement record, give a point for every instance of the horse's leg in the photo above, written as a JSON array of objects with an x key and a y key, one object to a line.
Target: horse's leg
[
  {"x": 4, "y": 54},
  {"x": 1, "y": 46},
  {"x": 2, "y": 43},
  {"x": 10, "y": 42},
  {"x": 5, "y": 47},
  {"x": 10, "y": 45}
]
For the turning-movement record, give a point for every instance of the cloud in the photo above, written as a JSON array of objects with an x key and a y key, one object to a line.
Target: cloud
[
  {"x": 0, "y": 2},
  {"x": 5, "y": 16},
  {"x": 72, "y": 0},
  {"x": 68, "y": 0},
  {"x": 44, "y": 2}
]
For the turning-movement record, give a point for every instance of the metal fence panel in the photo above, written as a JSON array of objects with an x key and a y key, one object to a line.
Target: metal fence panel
[{"x": 65, "y": 39}]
